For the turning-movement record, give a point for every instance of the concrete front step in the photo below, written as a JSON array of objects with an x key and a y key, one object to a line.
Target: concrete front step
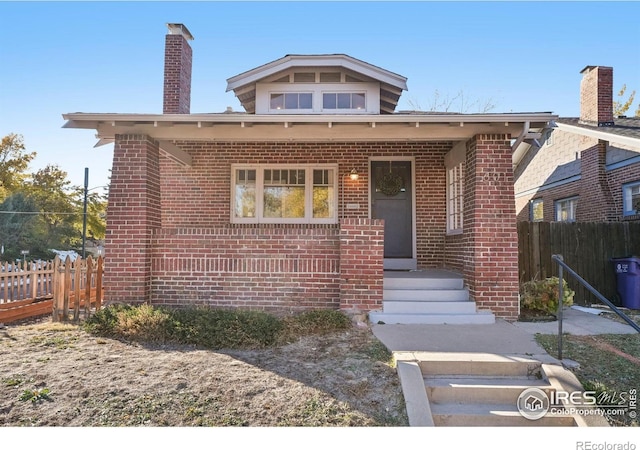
[
  {"x": 426, "y": 295},
  {"x": 433, "y": 297},
  {"x": 477, "y": 365},
  {"x": 491, "y": 415},
  {"x": 408, "y": 283},
  {"x": 486, "y": 390},
  {"x": 408, "y": 307},
  {"x": 476, "y": 318},
  {"x": 480, "y": 389}
]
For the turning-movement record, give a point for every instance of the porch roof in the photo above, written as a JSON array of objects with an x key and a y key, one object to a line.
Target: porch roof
[{"x": 237, "y": 127}]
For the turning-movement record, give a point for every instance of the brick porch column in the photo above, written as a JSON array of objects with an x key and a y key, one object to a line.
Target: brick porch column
[
  {"x": 490, "y": 233},
  {"x": 132, "y": 214},
  {"x": 361, "y": 264}
]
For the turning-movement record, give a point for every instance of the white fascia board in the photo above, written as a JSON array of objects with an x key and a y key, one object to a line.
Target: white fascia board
[
  {"x": 90, "y": 120},
  {"x": 290, "y": 61},
  {"x": 599, "y": 134}
]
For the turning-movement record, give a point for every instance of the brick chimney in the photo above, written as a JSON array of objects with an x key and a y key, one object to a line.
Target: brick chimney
[
  {"x": 177, "y": 70},
  {"x": 596, "y": 96}
]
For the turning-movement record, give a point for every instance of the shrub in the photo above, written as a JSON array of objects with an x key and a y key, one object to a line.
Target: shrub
[
  {"x": 542, "y": 295},
  {"x": 136, "y": 323},
  {"x": 211, "y": 328}
]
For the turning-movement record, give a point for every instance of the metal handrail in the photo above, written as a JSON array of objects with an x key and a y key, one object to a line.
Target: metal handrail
[{"x": 562, "y": 265}]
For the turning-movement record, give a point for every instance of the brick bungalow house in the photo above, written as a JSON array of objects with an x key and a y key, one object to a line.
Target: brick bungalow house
[
  {"x": 586, "y": 169},
  {"x": 312, "y": 196}
]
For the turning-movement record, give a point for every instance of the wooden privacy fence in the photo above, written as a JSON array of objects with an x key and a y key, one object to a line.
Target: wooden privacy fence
[
  {"x": 586, "y": 247},
  {"x": 30, "y": 289}
]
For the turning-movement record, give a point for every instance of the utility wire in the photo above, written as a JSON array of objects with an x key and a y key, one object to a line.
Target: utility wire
[{"x": 38, "y": 212}]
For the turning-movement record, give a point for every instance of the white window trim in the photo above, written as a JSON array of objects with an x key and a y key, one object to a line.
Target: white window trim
[
  {"x": 627, "y": 208},
  {"x": 259, "y": 217},
  {"x": 562, "y": 200}
]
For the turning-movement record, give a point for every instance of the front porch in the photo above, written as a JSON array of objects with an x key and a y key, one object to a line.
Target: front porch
[{"x": 428, "y": 296}]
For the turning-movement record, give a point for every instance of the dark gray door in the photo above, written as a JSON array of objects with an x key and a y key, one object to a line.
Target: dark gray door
[{"x": 391, "y": 201}]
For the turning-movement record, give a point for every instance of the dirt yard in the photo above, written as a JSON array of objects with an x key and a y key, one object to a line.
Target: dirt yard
[{"x": 76, "y": 379}]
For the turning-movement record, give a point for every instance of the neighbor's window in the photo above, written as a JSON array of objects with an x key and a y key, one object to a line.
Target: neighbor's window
[
  {"x": 343, "y": 100},
  {"x": 284, "y": 194},
  {"x": 291, "y": 100},
  {"x": 631, "y": 198},
  {"x": 566, "y": 209},
  {"x": 455, "y": 198},
  {"x": 537, "y": 210}
]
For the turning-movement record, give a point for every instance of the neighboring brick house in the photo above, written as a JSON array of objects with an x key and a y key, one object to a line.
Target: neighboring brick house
[
  {"x": 586, "y": 169},
  {"x": 306, "y": 198}
]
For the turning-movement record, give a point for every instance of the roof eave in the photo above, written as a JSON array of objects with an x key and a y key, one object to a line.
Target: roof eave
[
  {"x": 600, "y": 134},
  {"x": 340, "y": 60}
]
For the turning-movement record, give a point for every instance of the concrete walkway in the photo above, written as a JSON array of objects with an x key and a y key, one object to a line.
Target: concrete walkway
[{"x": 502, "y": 338}]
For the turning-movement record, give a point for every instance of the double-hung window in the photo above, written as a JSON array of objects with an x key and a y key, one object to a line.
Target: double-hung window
[
  {"x": 566, "y": 209},
  {"x": 631, "y": 198},
  {"x": 455, "y": 198},
  {"x": 284, "y": 194}
]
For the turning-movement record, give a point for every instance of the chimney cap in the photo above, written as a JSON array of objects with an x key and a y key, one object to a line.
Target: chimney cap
[
  {"x": 587, "y": 68},
  {"x": 178, "y": 28}
]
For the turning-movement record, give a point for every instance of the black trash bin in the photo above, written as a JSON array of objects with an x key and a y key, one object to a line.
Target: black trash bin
[{"x": 628, "y": 280}]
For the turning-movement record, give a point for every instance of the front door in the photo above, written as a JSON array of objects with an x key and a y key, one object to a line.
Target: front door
[{"x": 391, "y": 200}]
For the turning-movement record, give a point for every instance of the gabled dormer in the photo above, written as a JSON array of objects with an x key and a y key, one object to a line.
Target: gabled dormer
[{"x": 318, "y": 84}]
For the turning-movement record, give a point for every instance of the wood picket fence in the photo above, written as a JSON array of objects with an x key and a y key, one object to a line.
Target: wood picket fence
[{"x": 57, "y": 287}]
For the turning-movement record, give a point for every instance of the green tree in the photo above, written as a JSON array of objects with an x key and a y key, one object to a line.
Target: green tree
[
  {"x": 620, "y": 107},
  {"x": 51, "y": 192},
  {"x": 96, "y": 214},
  {"x": 19, "y": 227},
  {"x": 14, "y": 162}
]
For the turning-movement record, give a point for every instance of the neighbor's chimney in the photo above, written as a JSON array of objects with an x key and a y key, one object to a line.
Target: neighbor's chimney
[
  {"x": 177, "y": 70},
  {"x": 596, "y": 96}
]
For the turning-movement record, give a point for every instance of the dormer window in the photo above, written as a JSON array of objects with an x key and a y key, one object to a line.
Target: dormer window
[
  {"x": 291, "y": 101},
  {"x": 344, "y": 100}
]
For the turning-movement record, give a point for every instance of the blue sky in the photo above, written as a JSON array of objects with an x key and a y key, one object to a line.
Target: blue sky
[{"x": 108, "y": 56}]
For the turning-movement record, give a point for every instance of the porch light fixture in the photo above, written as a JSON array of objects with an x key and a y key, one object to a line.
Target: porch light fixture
[{"x": 354, "y": 175}]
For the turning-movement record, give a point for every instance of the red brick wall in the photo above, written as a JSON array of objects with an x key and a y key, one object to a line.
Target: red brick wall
[
  {"x": 490, "y": 234},
  {"x": 599, "y": 191},
  {"x": 269, "y": 267},
  {"x": 177, "y": 75},
  {"x": 616, "y": 178},
  {"x": 595, "y": 203},
  {"x": 200, "y": 196},
  {"x": 133, "y": 214}
]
